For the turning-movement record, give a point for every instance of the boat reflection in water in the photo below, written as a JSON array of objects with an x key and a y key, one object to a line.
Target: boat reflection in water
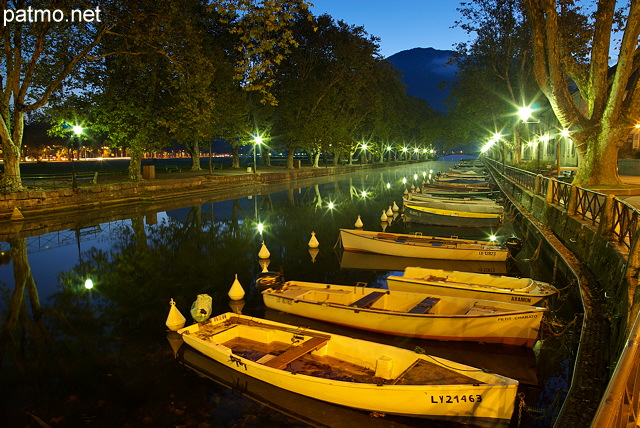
[
  {"x": 299, "y": 407},
  {"x": 372, "y": 261}
]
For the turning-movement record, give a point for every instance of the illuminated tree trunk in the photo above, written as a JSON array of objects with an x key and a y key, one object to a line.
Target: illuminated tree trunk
[
  {"x": 135, "y": 165},
  {"x": 599, "y": 162}
]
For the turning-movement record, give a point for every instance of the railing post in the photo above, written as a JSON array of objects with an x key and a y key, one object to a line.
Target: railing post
[
  {"x": 552, "y": 185},
  {"x": 633, "y": 260},
  {"x": 573, "y": 200},
  {"x": 606, "y": 218},
  {"x": 538, "y": 185}
]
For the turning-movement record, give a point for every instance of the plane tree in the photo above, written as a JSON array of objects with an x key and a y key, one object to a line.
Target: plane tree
[
  {"x": 36, "y": 59},
  {"x": 573, "y": 42}
]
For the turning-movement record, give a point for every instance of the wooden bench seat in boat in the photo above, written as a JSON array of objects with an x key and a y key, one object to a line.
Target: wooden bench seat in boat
[
  {"x": 482, "y": 310},
  {"x": 424, "y": 306},
  {"x": 280, "y": 361},
  {"x": 368, "y": 300}
]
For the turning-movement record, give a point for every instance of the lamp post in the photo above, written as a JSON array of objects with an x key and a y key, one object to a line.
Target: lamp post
[
  {"x": 525, "y": 113},
  {"x": 364, "y": 147},
  {"x": 77, "y": 130},
  {"x": 404, "y": 151},
  {"x": 256, "y": 142},
  {"x": 389, "y": 148},
  {"x": 565, "y": 133}
]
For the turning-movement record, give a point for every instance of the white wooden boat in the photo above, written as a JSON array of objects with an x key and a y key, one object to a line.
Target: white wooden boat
[
  {"x": 456, "y": 187},
  {"x": 525, "y": 291},
  {"x": 403, "y": 313},
  {"x": 462, "y": 180},
  {"x": 354, "y": 373},
  {"x": 465, "y": 200},
  {"x": 425, "y": 247},
  {"x": 456, "y": 192},
  {"x": 450, "y": 217},
  {"x": 491, "y": 208},
  {"x": 307, "y": 410}
]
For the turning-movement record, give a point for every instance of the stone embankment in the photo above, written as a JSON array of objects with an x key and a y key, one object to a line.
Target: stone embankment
[{"x": 177, "y": 185}]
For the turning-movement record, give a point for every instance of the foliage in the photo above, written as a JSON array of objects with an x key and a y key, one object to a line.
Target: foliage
[
  {"x": 36, "y": 59},
  {"x": 572, "y": 45},
  {"x": 494, "y": 70}
]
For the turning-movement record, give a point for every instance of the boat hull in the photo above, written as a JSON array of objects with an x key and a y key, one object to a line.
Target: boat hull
[
  {"x": 519, "y": 327},
  {"x": 492, "y": 397},
  {"x": 472, "y": 285},
  {"x": 487, "y": 208},
  {"x": 374, "y": 242},
  {"x": 440, "y": 217}
]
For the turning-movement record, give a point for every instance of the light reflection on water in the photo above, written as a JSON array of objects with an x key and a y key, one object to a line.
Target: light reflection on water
[{"x": 101, "y": 353}]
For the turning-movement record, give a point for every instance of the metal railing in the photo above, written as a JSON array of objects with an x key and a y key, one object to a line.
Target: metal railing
[
  {"x": 65, "y": 180},
  {"x": 589, "y": 204},
  {"x": 620, "y": 405}
]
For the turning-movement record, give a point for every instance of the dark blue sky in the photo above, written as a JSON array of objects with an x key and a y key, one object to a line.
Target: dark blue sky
[{"x": 400, "y": 24}]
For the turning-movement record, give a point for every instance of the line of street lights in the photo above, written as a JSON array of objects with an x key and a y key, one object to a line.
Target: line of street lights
[{"x": 525, "y": 114}]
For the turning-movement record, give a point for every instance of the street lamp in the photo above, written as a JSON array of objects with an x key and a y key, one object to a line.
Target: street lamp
[
  {"x": 256, "y": 142},
  {"x": 566, "y": 134},
  {"x": 525, "y": 114},
  {"x": 404, "y": 151},
  {"x": 77, "y": 129},
  {"x": 389, "y": 148},
  {"x": 364, "y": 146}
]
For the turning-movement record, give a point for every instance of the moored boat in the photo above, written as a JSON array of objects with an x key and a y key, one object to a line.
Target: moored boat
[
  {"x": 426, "y": 247},
  {"x": 403, "y": 313},
  {"x": 456, "y": 192},
  {"x": 354, "y": 373},
  {"x": 525, "y": 291},
  {"x": 449, "y": 217},
  {"x": 472, "y": 207},
  {"x": 461, "y": 200}
]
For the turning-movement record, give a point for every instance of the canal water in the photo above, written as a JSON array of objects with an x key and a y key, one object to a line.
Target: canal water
[{"x": 102, "y": 356}]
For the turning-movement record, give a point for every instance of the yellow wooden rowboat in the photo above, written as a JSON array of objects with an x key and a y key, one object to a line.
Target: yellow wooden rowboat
[
  {"x": 450, "y": 217},
  {"x": 400, "y": 313},
  {"x": 421, "y": 246},
  {"x": 355, "y": 373},
  {"x": 525, "y": 291}
]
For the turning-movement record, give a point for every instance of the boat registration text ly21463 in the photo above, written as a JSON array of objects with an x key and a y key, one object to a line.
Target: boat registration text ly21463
[
  {"x": 452, "y": 399},
  {"x": 487, "y": 253}
]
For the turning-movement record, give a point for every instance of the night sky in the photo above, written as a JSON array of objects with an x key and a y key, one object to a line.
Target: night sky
[{"x": 400, "y": 24}]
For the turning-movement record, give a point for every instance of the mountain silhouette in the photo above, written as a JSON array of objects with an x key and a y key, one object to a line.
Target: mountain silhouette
[{"x": 423, "y": 71}]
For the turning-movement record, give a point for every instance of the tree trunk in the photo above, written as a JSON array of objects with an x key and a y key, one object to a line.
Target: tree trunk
[
  {"x": 235, "y": 156},
  {"x": 11, "y": 145},
  {"x": 599, "y": 165},
  {"x": 135, "y": 165},
  {"x": 194, "y": 151},
  {"x": 266, "y": 155},
  {"x": 290, "y": 158},
  {"x": 316, "y": 160},
  {"x": 11, "y": 179}
]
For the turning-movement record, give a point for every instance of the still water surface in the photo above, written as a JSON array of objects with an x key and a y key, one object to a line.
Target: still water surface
[{"x": 101, "y": 357}]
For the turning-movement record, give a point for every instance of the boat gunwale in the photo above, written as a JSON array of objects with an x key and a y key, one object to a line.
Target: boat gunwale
[
  {"x": 443, "y": 212},
  {"x": 533, "y": 290},
  {"x": 530, "y": 309}
]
